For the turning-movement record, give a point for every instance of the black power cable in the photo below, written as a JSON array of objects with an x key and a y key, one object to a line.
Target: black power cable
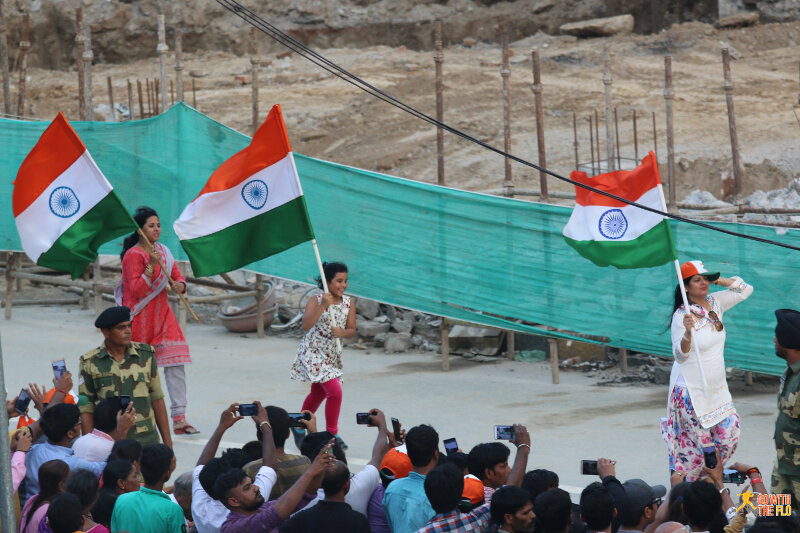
[{"x": 302, "y": 50}]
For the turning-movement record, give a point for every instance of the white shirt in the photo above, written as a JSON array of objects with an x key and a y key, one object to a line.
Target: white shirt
[
  {"x": 208, "y": 513},
  {"x": 362, "y": 485},
  {"x": 93, "y": 447}
]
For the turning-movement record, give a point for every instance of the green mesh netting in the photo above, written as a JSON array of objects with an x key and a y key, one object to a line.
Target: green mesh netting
[{"x": 458, "y": 254}]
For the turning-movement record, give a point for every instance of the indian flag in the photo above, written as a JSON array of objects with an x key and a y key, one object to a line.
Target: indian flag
[
  {"x": 251, "y": 207},
  {"x": 64, "y": 207},
  {"x": 610, "y": 232}
]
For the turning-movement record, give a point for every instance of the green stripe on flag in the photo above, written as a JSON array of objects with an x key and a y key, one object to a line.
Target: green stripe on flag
[
  {"x": 77, "y": 247},
  {"x": 651, "y": 249},
  {"x": 248, "y": 241}
]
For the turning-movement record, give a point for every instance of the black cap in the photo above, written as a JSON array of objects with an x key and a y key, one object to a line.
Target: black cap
[
  {"x": 638, "y": 495},
  {"x": 788, "y": 329},
  {"x": 112, "y": 316}
]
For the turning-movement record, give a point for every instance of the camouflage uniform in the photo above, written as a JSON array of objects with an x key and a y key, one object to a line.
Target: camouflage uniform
[
  {"x": 102, "y": 376},
  {"x": 786, "y": 473}
]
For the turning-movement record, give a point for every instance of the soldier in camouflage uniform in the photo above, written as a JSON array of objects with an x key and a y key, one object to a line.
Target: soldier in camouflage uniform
[
  {"x": 121, "y": 367},
  {"x": 786, "y": 473}
]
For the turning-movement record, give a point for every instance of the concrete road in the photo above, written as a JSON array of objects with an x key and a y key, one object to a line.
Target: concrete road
[{"x": 571, "y": 421}]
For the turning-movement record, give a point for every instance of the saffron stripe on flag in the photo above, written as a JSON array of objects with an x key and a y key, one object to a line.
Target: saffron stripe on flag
[
  {"x": 43, "y": 164},
  {"x": 250, "y": 240},
  {"x": 269, "y": 145},
  {"x": 628, "y": 184},
  {"x": 215, "y": 211},
  {"x": 63, "y": 202}
]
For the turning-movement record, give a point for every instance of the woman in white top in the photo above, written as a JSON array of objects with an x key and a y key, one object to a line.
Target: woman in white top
[{"x": 701, "y": 416}]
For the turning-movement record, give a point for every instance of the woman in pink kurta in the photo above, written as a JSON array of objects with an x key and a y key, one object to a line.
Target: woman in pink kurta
[{"x": 144, "y": 291}]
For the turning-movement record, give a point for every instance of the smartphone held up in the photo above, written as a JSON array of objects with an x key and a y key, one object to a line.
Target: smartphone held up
[{"x": 503, "y": 432}]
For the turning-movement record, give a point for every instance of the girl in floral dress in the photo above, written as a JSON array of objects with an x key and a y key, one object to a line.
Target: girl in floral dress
[
  {"x": 328, "y": 317},
  {"x": 701, "y": 417}
]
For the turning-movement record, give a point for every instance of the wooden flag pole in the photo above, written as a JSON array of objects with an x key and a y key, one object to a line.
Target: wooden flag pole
[
  {"x": 314, "y": 245},
  {"x": 164, "y": 269}
]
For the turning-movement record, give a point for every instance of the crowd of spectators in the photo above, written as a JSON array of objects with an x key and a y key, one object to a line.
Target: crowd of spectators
[
  {"x": 67, "y": 483},
  {"x": 110, "y": 476}
]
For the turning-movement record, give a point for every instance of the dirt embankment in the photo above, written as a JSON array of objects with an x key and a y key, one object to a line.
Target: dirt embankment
[{"x": 330, "y": 119}]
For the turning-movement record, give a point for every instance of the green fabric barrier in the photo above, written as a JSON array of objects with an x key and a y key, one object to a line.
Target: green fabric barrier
[{"x": 467, "y": 256}]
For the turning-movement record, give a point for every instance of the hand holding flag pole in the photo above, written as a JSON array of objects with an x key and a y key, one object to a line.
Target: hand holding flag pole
[
  {"x": 324, "y": 281},
  {"x": 171, "y": 281}
]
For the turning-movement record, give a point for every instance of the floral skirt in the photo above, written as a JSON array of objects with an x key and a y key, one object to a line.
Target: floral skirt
[{"x": 686, "y": 438}]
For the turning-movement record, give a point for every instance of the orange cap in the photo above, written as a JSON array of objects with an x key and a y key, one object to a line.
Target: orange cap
[
  {"x": 691, "y": 268},
  {"x": 473, "y": 489},
  {"x": 397, "y": 463},
  {"x": 48, "y": 397}
]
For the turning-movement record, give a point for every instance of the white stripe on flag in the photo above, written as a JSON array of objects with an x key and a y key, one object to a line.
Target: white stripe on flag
[
  {"x": 215, "y": 211},
  {"x": 45, "y": 220},
  {"x": 584, "y": 224}
]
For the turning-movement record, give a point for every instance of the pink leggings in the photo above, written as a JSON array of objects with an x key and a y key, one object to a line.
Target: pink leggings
[{"x": 332, "y": 391}]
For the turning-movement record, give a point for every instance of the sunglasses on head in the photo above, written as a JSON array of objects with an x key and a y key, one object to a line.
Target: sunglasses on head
[{"x": 715, "y": 319}]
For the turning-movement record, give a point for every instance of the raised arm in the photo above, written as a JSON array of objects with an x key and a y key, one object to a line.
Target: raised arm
[
  {"x": 522, "y": 440},
  {"x": 737, "y": 291},
  {"x": 381, "y": 445},
  {"x": 286, "y": 504}
]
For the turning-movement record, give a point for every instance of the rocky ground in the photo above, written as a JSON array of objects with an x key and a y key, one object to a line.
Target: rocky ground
[{"x": 332, "y": 120}]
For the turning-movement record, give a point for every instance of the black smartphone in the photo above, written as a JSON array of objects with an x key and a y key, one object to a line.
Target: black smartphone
[
  {"x": 504, "y": 432},
  {"x": 732, "y": 476},
  {"x": 710, "y": 457},
  {"x": 295, "y": 418},
  {"x": 24, "y": 399},
  {"x": 588, "y": 468},
  {"x": 396, "y": 427},
  {"x": 59, "y": 368},
  {"x": 124, "y": 401},
  {"x": 248, "y": 409},
  {"x": 450, "y": 446},
  {"x": 362, "y": 418}
]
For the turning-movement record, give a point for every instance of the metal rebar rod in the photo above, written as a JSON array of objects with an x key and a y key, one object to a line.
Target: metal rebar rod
[
  {"x": 505, "y": 73},
  {"x": 635, "y": 139},
  {"x": 162, "y": 49},
  {"x": 597, "y": 140},
  {"x": 575, "y": 135},
  {"x": 113, "y": 112},
  {"x": 669, "y": 94},
  {"x": 157, "y": 90},
  {"x": 194, "y": 95},
  {"x": 616, "y": 134},
  {"x": 254, "y": 64},
  {"x": 4, "y": 62},
  {"x": 22, "y": 58},
  {"x": 141, "y": 99},
  {"x": 438, "y": 61},
  {"x": 591, "y": 142},
  {"x": 79, "y": 63},
  {"x": 130, "y": 101},
  {"x": 179, "y": 64},
  {"x": 149, "y": 90},
  {"x": 655, "y": 136},
  {"x": 88, "y": 56},
  {"x": 538, "y": 89},
  {"x": 728, "y": 86},
  {"x": 607, "y": 83},
  {"x": 171, "y": 93}
]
